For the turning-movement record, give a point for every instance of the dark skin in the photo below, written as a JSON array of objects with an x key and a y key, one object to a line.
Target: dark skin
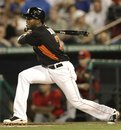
[{"x": 33, "y": 22}]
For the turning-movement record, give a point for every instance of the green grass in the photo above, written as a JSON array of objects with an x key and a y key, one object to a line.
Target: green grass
[{"x": 66, "y": 126}]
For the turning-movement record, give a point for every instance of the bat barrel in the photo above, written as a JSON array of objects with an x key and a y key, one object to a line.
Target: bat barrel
[{"x": 72, "y": 32}]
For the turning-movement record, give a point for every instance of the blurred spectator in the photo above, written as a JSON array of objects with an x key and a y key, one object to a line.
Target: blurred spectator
[
  {"x": 54, "y": 2},
  {"x": 58, "y": 2},
  {"x": 80, "y": 24},
  {"x": 103, "y": 38},
  {"x": 36, "y": 3},
  {"x": 14, "y": 6},
  {"x": 47, "y": 104},
  {"x": 56, "y": 22},
  {"x": 63, "y": 7},
  {"x": 83, "y": 5},
  {"x": 10, "y": 25},
  {"x": 96, "y": 18},
  {"x": 71, "y": 10},
  {"x": 2, "y": 3},
  {"x": 114, "y": 10},
  {"x": 3, "y": 16},
  {"x": 11, "y": 30},
  {"x": 20, "y": 24},
  {"x": 114, "y": 13},
  {"x": 105, "y": 5},
  {"x": 3, "y": 41}
]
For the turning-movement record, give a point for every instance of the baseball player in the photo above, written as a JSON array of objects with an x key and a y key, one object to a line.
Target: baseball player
[{"x": 54, "y": 67}]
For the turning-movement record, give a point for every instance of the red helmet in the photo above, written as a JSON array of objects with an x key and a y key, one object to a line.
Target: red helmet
[{"x": 84, "y": 54}]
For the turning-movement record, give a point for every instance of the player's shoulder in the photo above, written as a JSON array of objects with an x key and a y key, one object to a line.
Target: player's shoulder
[
  {"x": 39, "y": 31},
  {"x": 45, "y": 29},
  {"x": 50, "y": 30}
]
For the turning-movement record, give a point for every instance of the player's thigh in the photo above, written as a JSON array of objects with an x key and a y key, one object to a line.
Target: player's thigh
[
  {"x": 37, "y": 74},
  {"x": 65, "y": 77},
  {"x": 70, "y": 90},
  {"x": 64, "y": 73}
]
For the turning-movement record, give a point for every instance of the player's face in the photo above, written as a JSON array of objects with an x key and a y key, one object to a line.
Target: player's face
[{"x": 32, "y": 22}]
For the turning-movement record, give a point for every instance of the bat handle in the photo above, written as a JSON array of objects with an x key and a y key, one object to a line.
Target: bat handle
[{"x": 62, "y": 32}]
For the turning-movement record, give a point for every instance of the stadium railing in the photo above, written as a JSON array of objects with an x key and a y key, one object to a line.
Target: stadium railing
[{"x": 68, "y": 48}]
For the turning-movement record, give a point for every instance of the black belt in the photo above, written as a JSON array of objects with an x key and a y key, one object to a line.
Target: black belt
[{"x": 54, "y": 66}]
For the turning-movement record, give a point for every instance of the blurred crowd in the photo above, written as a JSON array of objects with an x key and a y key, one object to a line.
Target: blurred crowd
[{"x": 89, "y": 15}]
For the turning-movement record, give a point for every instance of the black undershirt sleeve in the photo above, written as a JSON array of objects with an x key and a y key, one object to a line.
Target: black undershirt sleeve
[{"x": 31, "y": 38}]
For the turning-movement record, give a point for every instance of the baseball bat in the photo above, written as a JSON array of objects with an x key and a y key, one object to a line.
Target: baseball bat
[
  {"x": 72, "y": 32},
  {"x": 67, "y": 32}
]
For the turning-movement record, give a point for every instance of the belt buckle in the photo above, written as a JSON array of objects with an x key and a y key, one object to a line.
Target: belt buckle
[
  {"x": 54, "y": 66},
  {"x": 51, "y": 66},
  {"x": 59, "y": 65}
]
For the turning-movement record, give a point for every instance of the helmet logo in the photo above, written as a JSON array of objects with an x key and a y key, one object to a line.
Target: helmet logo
[
  {"x": 28, "y": 10},
  {"x": 37, "y": 12}
]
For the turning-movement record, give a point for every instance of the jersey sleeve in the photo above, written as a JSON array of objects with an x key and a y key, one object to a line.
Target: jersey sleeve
[{"x": 31, "y": 38}]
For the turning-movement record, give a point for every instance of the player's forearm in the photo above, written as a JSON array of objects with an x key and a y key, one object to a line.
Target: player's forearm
[
  {"x": 30, "y": 38},
  {"x": 26, "y": 38},
  {"x": 21, "y": 39}
]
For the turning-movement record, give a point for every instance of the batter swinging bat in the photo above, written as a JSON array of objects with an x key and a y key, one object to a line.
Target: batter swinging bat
[
  {"x": 67, "y": 32},
  {"x": 72, "y": 32}
]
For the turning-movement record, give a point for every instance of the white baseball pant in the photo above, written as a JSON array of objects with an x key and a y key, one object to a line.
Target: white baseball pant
[{"x": 64, "y": 77}]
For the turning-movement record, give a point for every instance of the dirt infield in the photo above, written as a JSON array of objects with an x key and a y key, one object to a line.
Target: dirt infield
[
  {"x": 33, "y": 124},
  {"x": 39, "y": 124},
  {"x": 63, "y": 126}
]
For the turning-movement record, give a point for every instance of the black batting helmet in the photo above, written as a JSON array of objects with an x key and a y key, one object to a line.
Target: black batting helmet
[{"x": 35, "y": 13}]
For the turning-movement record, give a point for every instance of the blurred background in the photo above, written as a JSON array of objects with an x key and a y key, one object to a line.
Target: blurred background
[{"x": 96, "y": 58}]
